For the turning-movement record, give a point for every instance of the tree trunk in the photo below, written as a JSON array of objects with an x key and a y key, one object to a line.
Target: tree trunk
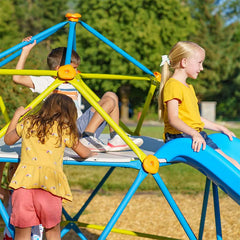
[{"x": 124, "y": 99}]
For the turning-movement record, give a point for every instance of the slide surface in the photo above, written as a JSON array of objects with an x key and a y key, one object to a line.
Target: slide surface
[{"x": 209, "y": 162}]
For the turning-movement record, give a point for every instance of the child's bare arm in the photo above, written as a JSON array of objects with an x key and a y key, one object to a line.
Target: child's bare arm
[
  {"x": 217, "y": 127},
  {"x": 82, "y": 151},
  {"x": 21, "y": 79},
  {"x": 197, "y": 140},
  {"x": 11, "y": 135}
]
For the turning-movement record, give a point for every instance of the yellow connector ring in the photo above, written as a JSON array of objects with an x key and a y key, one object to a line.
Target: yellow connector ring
[
  {"x": 151, "y": 164},
  {"x": 66, "y": 72}
]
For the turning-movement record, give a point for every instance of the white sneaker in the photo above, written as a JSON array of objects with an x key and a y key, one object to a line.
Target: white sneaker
[
  {"x": 117, "y": 143},
  {"x": 93, "y": 143}
]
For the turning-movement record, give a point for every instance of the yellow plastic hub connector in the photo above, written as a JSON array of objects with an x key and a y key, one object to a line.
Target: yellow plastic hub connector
[
  {"x": 73, "y": 17},
  {"x": 66, "y": 72},
  {"x": 151, "y": 164}
]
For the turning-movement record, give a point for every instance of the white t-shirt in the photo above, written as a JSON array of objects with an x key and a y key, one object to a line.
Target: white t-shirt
[{"x": 43, "y": 82}]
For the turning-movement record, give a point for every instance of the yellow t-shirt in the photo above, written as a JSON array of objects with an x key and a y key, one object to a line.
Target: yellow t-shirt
[
  {"x": 188, "y": 110},
  {"x": 41, "y": 165}
]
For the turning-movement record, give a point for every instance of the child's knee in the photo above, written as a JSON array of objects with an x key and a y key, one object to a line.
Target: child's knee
[{"x": 111, "y": 97}]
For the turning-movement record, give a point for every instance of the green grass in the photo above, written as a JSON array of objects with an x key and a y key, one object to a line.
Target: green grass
[{"x": 179, "y": 178}]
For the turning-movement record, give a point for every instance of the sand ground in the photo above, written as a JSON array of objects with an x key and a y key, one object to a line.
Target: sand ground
[{"x": 150, "y": 213}]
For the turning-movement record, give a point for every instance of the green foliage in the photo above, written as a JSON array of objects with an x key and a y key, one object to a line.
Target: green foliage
[
  {"x": 230, "y": 9},
  {"x": 8, "y": 21},
  {"x": 144, "y": 29},
  {"x": 26, "y": 18},
  {"x": 37, "y": 15},
  {"x": 220, "y": 79}
]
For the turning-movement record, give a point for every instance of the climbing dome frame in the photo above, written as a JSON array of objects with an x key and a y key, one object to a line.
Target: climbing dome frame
[{"x": 145, "y": 164}]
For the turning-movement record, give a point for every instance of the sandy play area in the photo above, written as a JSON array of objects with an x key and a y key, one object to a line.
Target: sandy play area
[{"x": 150, "y": 213}]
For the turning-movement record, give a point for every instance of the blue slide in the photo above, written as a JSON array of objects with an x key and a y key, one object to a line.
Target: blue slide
[{"x": 209, "y": 162}]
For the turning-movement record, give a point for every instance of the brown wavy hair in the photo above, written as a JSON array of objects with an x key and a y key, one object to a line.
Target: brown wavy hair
[
  {"x": 57, "y": 57},
  {"x": 56, "y": 108}
]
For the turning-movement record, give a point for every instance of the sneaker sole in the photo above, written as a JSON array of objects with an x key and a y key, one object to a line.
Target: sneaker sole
[{"x": 112, "y": 148}]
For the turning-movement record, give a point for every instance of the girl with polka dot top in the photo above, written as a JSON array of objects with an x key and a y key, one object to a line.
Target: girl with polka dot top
[{"x": 39, "y": 182}]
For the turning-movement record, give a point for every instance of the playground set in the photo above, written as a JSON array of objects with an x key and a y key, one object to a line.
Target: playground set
[{"x": 146, "y": 160}]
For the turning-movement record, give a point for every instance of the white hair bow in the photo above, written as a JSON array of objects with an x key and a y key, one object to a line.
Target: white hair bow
[{"x": 165, "y": 59}]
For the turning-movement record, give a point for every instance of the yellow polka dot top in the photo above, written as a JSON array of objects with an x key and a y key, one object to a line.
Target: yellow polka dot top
[{"x": 41, "y": 165}]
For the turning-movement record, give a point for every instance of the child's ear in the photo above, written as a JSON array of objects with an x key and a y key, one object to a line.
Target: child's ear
[{"x": 183, "y": 62}]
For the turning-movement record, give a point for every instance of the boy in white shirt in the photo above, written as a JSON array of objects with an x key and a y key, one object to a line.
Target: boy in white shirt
[{"x": 90, "y": 123}]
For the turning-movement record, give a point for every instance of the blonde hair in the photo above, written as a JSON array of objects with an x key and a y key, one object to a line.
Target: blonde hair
[{"x": 182, "y": 49}]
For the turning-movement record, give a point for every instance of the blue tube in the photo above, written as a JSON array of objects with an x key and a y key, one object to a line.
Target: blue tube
[
  {"x": 116, "y": 48},
  {"x": 6, "y": 219},
  {"x": 16, "y": 54},
  {"x": 174, "y": 207},
  {"x": 217, "y": 212},
  {"x": 100, "y": 184},
  {"x": 71, "y": 35},
  {"x": 74, "y": 42},
  {"x": 140, "y": 177},
  {"x": 43, "y": 35},
  {"x": 10, "y": 58},
  {"x": 204, "y": 209}
]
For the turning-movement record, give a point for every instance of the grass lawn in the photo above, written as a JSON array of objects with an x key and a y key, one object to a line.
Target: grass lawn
[{"x": 178, "y": 178}]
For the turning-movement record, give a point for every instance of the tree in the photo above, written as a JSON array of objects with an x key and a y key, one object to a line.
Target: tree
[
  {"x": 145, "y": 29},
  {"x": 8, "y": 21},
  {"x": 222, "y": 51},
  {"x": 36, "y": 15},
  {"x": 230, "y": 10},
  {"x": 18, "y": 19}
]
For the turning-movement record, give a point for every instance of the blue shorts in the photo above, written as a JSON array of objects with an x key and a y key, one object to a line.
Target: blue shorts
[
  {"x": 84, "y": 120},
  {"x": 208, "y": 140}
]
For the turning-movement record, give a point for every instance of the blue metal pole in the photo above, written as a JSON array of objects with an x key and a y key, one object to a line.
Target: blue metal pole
[
  {"x": 6, "y": 219},
  {"x": 116, "y": 48},
  {"x": 16, "y": 54},
  {"x": 66, "y": 229},
  {"x": 174, "y": 207},
  {"x": 109, "y": 172},
  {"x": 67, "y": 216},
  {"x": 78, "y": 231},
  {"x": 70, "y": 44},
  {"x": 217, "y": 212},
  {"x": 140, "y": 177},
  {"x": 10, "y": 58},
  {"x": 74, "y": 41},
  {"x": 204, "y": 209},
  {"x": 43, "y": 35}
]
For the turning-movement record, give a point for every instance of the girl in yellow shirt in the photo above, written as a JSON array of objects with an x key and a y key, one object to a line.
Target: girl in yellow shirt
[
  {"x": 177, "y": 100},
  {"x": 39, "y": 182}
]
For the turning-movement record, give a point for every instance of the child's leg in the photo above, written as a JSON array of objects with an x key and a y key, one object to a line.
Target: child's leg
[
  {"x": 37, "y": 232},
  {"x": 22, "y": 233},
  {"x": 109, "y": 102},
  {"x": 233, "y": 161},
  {"x": 53, "y": 233}
]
